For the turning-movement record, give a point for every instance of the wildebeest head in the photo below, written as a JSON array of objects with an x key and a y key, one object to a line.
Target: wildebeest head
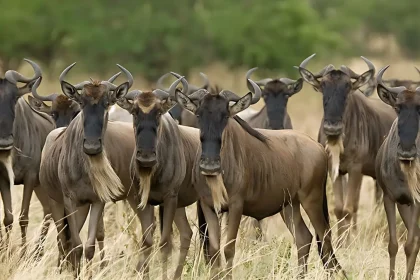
[
  {"x": 336, "y": 85},
  {"x": 406, "y": 103},
  {"x": 95, "y": 98},
  {"x": 9, "y": 94},
  {"x": 213, "y": 111},
  {"x": 410, "y": 84},
  {"x": 276, "y": 93},
  {"x": 147, "y": 109},
  {"x": 63, "y": 109}
]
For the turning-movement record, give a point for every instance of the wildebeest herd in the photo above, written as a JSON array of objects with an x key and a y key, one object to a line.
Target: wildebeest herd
[{"x": 173, "y": 147}]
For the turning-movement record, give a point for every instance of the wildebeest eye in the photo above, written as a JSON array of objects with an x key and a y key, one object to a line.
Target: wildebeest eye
[
  {"x": 397, "y": 109},
  {"x": 54, "y": 115}
]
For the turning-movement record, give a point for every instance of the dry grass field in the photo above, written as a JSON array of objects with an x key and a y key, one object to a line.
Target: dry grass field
[{"x": 273, "y": 258}]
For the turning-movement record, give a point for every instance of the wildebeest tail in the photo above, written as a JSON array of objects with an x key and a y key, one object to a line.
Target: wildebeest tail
[{"x": 203, "y": 231}]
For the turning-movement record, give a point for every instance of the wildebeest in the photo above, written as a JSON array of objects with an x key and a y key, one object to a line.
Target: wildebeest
[
  {"x": 398, "y": 169},
  {"x": 162, "y": 165},
  {"x": 352, "y": 129},
  {"x": 62, "y": 108},
  {"x": 184, "y": 117},
  {"x": 87, "y": 163},
  {"x": 410, "y": 84},
  {"x": 22, "y": 136},
  {"x": 256, "y": 173},
  {"x": 276, "y": 93}
]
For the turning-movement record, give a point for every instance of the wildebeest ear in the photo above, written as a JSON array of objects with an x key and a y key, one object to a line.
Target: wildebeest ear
[
  {"x": 119, "y": 92},
  {"x": 167, "y": 104},
  {"x": 70, "y": 91},
  {"x": 363, "y": 79},
  {"x": 185, "y": 102},
  {"x": 241, "y": 104},
  {"x": 309, "y": 78},
  {"x": 296, "y": 87},
  {"x": 125, "y": 104},
  {"x": 386, "y": 96},
  {"x": 39, "y": 105}
]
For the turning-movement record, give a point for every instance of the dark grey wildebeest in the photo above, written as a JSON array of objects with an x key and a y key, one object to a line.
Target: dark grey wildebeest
[
  {"x": 162, "y": 165},
  {"x": 22, "y": 136},
  {"x": 88, "y": 163},
  {"x": 398, "y": 170},
  {"x": 353, "y": 128},
  {"x": 184, "y": 117},
  {"x": 276, "y": 93},
  {"x": 257, "y": 173}
]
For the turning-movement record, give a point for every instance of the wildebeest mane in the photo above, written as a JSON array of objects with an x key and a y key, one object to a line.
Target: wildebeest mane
[{"x": 250, "y": 130}]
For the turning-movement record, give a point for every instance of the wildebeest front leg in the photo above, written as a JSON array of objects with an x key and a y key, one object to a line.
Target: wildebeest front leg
[
  {"x": 338, "y": 187},
  {"x": 7, "y": 206},
  {"x": 392, "y": 227},
  {"x": 170, "y": 205},
  {"x": 77, "y": 250},
  {"x": 147, "y": 220},
  {"x": 28, "y": 188},
  {"x": 412, "y": 244},
  {"x": 57, "y": 211},
  {"x": 44, "y": 200},
  {"x": 293, "y": 219},
  {"x": 235, "y": 214},
  {"x": 96, "y": 211},
  {"x": 351, "y": 204},
  {"x": 185, "y": 235},
  {"x": 214, "y": 238}
]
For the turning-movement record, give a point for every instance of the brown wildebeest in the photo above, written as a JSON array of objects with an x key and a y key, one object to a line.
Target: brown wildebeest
[
  {"x": 398, "y": 170},
  {"x": 88, "y": 163},
  {"x": 162, "y": 165},
  {"x": 352, "y": 129},
  {"x": 22, "y": 136},
  {"x": 257, "y": 173},
  {"x": 184, "y": 117},
  {"x": 62, "y": 109}
]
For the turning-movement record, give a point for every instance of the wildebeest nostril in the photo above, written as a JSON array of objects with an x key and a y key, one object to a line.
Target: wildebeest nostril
[
  {"x": 92, "y": 147},
  {"x": 6, "y": 142}
]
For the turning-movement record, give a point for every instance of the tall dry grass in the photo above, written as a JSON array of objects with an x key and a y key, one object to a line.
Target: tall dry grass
[{"x": 273, "y": 258}]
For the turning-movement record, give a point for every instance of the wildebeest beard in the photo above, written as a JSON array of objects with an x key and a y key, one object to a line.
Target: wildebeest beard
[{"x": 145, "y": 175}]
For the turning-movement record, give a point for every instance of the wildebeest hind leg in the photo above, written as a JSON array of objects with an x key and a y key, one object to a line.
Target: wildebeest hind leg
[
  {"x": 185, "y": 235},
  {"x": 389, "y": 206},
  {"x": 297, "y": 227},
  {"x": 28, "y": 188},
  {"x": 410, "y": 216},
  {"x": 95, "y": 215}
]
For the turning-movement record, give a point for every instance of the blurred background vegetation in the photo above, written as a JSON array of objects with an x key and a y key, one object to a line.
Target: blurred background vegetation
[{"x": 151, "y": 37}]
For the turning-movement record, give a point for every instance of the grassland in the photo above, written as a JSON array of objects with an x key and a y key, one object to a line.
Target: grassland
[{"x": 273, "y": 258}]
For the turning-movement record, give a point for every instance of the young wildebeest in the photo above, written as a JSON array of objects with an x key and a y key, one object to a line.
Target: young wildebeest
[
  {"x": 88, "y": 163},
  {"x": 162, "y": 166},
  {"x": 398, "y": 170},
  {"x": 184, "y": 117},
  {"x": 352, "y": 129},
  {"x": 257, "y": 173},
  {"x": 22, "y": 136}
]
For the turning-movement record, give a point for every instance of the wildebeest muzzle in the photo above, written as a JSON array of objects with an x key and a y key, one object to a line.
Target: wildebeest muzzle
[
  {"x": 333, "y": 128},
  {"x": 407, "y": 153},
  {"x": 146, "y": 158},
  {"x": 92, "y": 147},
  {"x": 210, "y": 166},
  {"x": 6, "y": 143}
]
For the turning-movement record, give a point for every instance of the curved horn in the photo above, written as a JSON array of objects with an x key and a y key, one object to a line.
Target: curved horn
[
  {"x": 113, "y": 78},
  {"x": 63, "y": 74},
  {"x": 159, "y": 83},
  {"x": 133, "y": 94},
  {"x": 231, "y": 96},
  {"x": 369, "y": 64},
  {"x": 14, "y": 77},
  {"x": 162, "y": 94},
  {"x": 395, "y": 90},
  {"x": 305, "y": 62},
  {"x": 321, "y": 73},
  {"x": 50, "y": 97},
  {"x": 128, "y": 74},
  {"x": 287, "y": 81}
]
